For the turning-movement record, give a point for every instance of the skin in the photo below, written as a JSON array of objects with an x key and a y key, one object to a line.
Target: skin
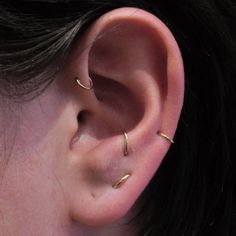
[{"x": 57, "y": 172}]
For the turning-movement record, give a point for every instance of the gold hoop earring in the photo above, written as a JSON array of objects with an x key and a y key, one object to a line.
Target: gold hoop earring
[
  {"x": 119, "y": 183},
  {"x": 165, "y": 137},
  {"x": 83, "y": 86},
  {"x": 126, "y": 143}
]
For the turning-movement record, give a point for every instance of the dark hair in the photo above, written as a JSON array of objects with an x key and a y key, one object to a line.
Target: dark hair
[{"x": 193, "y": 192}]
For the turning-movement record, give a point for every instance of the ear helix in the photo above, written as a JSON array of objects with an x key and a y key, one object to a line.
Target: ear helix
[{"x": 165, "y": 137}]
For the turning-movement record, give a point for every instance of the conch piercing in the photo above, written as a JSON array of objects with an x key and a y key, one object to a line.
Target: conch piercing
[
  {"x": 126, "y": 142},
  {"x": 119, "y": 183},
  {"x": 165, "y": 136},
  {"x": 83, "y": 86}
]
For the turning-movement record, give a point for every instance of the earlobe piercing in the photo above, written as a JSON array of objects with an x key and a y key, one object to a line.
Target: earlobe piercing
[
  {"x": 83, "y": 86},
  {"x": 126, "y": 142},
  {"x": 119, "y": 183},
  {"x": 165, "y": 137}
]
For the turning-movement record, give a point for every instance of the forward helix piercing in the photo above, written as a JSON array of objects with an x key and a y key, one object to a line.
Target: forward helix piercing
[
  {"x": 119, "y": 183},
  {"x": 165, "y": 137},
  {"x": 126, "y": 142},
  {"x": 83, "y": 86}
]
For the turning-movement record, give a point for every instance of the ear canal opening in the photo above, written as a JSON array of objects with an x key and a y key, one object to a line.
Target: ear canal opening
[{"x": 81, "y": 116}]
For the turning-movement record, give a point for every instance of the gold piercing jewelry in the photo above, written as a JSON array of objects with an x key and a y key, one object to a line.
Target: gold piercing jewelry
[
  {"x": 165, "y": 137},
  {"x": 125, "y": 143},
  {"x": 83, "y": 86},
  {"x": 121, "y": 181}
]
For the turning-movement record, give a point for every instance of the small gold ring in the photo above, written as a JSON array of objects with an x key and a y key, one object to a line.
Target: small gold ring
[
  {"x": 165, "y": 137},
  {"x": 121, "y": 181},
  {"x": 83, "y": 86},
  {"x": 126, "y": 143}
]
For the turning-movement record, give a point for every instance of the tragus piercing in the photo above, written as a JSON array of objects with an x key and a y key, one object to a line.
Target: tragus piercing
[
  {"x": 165, "y": 137},
  {"x": 83, "y": 86},
  {"x": 119, "y": 183}
]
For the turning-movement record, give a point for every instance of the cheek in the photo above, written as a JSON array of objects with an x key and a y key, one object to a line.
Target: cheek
[
  {"x": 35, "y": 121},
  {"x": 31, "y": 173},
  {"x": 30, "y": 188},
  {"x": 31, "y": 193}
]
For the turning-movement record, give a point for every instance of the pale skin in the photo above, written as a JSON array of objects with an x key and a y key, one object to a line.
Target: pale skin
[{"x": 60, "y": 171}]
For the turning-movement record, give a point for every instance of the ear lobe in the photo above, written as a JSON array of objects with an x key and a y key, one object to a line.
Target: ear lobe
[{"x": 137, "y": 71}]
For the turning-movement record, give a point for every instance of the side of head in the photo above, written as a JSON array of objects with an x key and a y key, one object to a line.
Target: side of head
[{"x": 63, "y": 145}]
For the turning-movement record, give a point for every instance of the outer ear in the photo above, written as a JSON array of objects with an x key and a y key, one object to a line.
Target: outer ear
[{"x": 137, "y": 70}]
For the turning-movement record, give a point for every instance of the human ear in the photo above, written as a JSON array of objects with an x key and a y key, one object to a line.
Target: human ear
[{"x": 138, "y": 86}]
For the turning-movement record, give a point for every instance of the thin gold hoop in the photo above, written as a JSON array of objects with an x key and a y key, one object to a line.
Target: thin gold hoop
[
  {"x": 126, "y": 143},
  {"x": 83, "y": 86},
  {"x": 165, "y": 137},
  {"x": 119, "y": 183}
]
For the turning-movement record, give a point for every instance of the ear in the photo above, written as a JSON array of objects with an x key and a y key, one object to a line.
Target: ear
[{"x": 137, "y": 71}]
